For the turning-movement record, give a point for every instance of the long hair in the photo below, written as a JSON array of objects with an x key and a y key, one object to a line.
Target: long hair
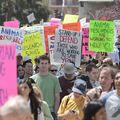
[
  {"x": 35, "y": 103},
  {"x": 91, "y": 109}
]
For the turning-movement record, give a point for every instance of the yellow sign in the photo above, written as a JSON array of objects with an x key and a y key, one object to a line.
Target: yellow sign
[
  {"x": 32, "y": 46},
  {"x": 70, "y": 18}
]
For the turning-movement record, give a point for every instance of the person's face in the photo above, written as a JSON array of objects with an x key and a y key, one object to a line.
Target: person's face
[
  {"x": 44, "y": 65},
  {"x": 24, "y": 90},
  {"x": 53, "y": 70},
  {"x": 86, "y": 58},
  {"x": 69, "y": 76},
  {"x": 117, "y": 82},
  {"x": 77, "y": 95},
  {"x": 93, "y": 75},
  {"x": 106, "y": 80},
  {"x": 100, "y": 115},
  {"x": 29, "y": 69},
  {"x": 20, "y": 71}
]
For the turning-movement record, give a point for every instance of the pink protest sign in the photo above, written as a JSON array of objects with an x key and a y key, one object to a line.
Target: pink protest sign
[
  {"x": 8, "y": 82},
  {"x": 55, "y": 22},
  {"x": 85, "y": 50},
  {"x": 13, "y": 24}
]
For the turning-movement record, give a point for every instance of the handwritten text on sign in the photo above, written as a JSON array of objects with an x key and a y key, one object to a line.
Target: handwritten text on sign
[
  {"x": 101, "y": 36},
  {"x": 51, "y": 40},
  {"x": 32, "y": 45},
  {"x": 67, "y": 46},
  {"x": 85, "y": 50},
  {"x": 11, "y": 35},
  {"x": 7, "y": 62}
]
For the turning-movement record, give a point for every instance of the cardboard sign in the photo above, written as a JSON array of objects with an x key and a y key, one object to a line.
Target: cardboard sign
[
  {"x": 13, "y": 24},
  {"x": 8, "y": 76},
  {"x": 72, "y": 26},
  {"x": 49, "y": 30},
  {"x": 85, "y": 50},
  {"x": 67, "y": 46},
  {"x": 32, "y": 46},
  {"x": 55, "y": 22},
  {"x": 11, "y": 35},
  {"x": 31, "y": 18},
  {"x": 101, "y": 36},
  {"x": 70, "y": 18}
]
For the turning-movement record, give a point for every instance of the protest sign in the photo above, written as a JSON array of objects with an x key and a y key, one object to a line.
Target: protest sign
[
  {"x": 72, "y": 26},
  {"x": 70, "y": 18},
  {"x": 67, "y": 46},
  {"x": 11, "y": 35},
  {"x": 13, "y": 24},
  {"x": 49, "y": 30},
  {"x": 83, "y": 21},
  {"x": 32, "y": 46},
  {"x": 101, "y": 36},
  {"x": 7, "y": 63},
  {"x": 85, "y": 34},
  {"x": 51, "y": 41},
  {"x": 31, "y": 18},
  {"x": 117, "y": 33},
  {"x": 55, "y": 22},
  {"x": 36, "y": 28}
]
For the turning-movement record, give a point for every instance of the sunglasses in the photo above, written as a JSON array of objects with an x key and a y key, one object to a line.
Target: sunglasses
[{"x": 53, "y": 70}]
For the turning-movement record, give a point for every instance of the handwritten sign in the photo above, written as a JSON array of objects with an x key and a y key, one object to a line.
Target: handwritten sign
[
  {"x": 36, "y": 28},
  {"x": 13, "y": 24},
  {"x": 70, "y": 18},
  {"x": 32, "y": 46},
  {"x": 85, "y": 50},
  {"x": 7, "y": 63},
  {"x": 72, "y": 26},
  {"x": 51, "y": 40},
  {"x": 55, "y": 22},
  {"x": 49, "y": 30},
  {"x": 11, "y": 35},
  {"x": 67, "y": 46},
  {"x": 101, "y": 36}
]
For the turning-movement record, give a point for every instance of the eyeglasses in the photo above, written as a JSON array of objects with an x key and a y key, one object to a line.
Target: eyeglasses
[{"x": 53, "y": 70}]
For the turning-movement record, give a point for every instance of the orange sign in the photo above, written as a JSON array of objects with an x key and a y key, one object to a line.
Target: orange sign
[
  {"x": 72, "y": 26},
  {"x": 49, "y": 30}
]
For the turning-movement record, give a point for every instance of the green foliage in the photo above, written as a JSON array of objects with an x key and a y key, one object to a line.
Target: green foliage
[{"x": 19, "y": 9}]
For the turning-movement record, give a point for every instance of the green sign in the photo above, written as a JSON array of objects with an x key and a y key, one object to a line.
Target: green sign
[{"x": 101, "y": 36}]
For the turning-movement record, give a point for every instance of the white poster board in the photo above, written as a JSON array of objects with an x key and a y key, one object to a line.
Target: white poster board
[{"x": 68, "y": 46}]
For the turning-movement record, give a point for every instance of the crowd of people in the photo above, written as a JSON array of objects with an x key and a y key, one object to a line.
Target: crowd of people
[{"x": 65, "y": 92}]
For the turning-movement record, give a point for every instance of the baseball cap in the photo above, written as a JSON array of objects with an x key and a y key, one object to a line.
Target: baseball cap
[
  {"x": 26, "y": 58},
  {"x": 79, "y": 86},
  {"x": 69, "y": 68}
]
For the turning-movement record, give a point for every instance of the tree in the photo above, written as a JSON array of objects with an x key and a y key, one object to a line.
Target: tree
[{"x": 19, "y": 9}]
